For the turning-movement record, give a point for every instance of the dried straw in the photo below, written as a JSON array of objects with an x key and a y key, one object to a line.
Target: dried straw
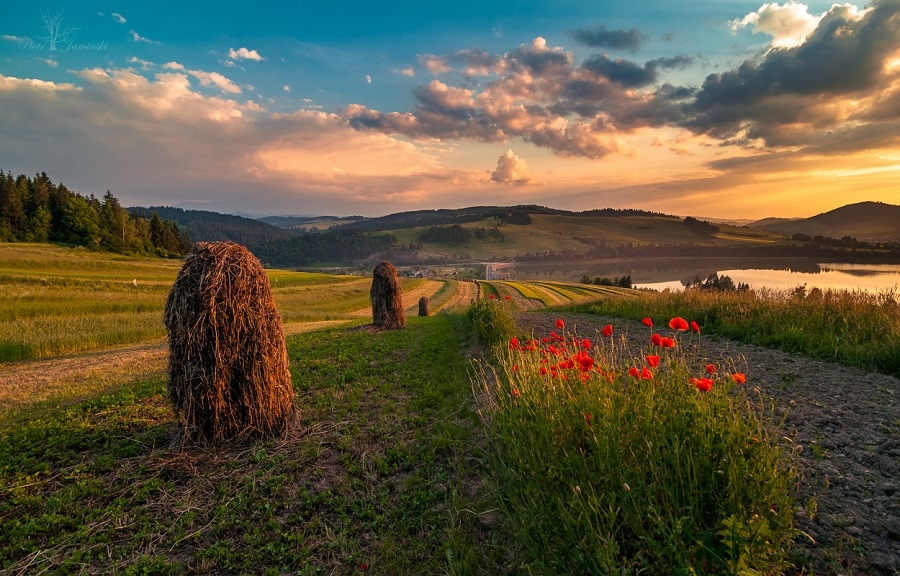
[
  {"x": 386, "y": 296},
  {"x": 228, "y": 364},
  {"x": 423, "y": 306}
]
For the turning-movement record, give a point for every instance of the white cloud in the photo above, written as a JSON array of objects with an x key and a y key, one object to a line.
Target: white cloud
[
  {"x": 511, "y": 170},
  {"x": 286, "y": 88},
  {"x": 368, "y": 79},
  {"x": 12, "y": 84},
  {"x": 788, "y": 25},
  {"x": 12, "y": 38},
  {"x": 406, "y": 72},
  {"x": 157, "y": 131},
  {"x": 118, "y": 18},
  {"x": 173, "y": 66},
  {"x": 50, "y": 62},
  {"x": 138, "y": 38},
  {"x": 244, "y": 54},
  {"x": 435, "y": 64},
  {"x": 145, "y": 65},
  {"x": 215, "y": 79}
]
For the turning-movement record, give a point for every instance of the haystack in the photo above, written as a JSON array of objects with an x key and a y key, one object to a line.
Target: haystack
[
  {"x": 386, "y": 296},
  {"x": 423, "y": 306},
  {"x": 228, "y": 365}
]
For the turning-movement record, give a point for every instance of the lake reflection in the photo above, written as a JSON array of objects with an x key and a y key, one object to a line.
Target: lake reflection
[{"x": 676, "y": 273}]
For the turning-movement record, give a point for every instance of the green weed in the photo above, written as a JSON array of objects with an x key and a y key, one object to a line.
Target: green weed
[
  {"x": 612, "y": 466},
  {"x": 855, "y": 328}
]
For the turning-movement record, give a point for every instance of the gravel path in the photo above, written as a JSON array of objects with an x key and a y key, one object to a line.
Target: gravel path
[{"x": 847, "y": 421}]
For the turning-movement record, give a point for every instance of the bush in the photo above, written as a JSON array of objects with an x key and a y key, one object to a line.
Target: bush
[{"x": 490, "y": 322}]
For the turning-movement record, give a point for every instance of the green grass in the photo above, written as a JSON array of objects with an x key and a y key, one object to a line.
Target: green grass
[
  {"x": 570, "y": 233},
  {"x": 444, "y": 294},
  {"x": 59, "y": 300},
  {"x": 530, "y": 291},
  {"x": 602, "y": 473},
  {"x": 379, "y": 471},
  {"x": 854, "y": 328}
]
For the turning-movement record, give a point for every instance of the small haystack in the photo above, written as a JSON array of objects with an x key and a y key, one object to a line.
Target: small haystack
[
  {"x": 228, "y": 365},
  {"x": 423, "y": 306},
  {"x": 386, "y": 296}
]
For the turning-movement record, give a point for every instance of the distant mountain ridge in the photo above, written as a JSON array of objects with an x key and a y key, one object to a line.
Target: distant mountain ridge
[
  {"x": 867, "y": 221},
  {"x": 205, "y": 226}
]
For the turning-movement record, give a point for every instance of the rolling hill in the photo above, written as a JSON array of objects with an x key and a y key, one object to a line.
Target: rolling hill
[{"x": 867, "y": 221}]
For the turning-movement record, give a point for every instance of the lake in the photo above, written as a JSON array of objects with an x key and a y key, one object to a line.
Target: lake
[{"x": 676, "y": 273}]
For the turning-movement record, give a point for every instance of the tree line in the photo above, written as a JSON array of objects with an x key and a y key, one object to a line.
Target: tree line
[
  {"x": 336, "y": 246},
  {"x": 38, "y": 210}
]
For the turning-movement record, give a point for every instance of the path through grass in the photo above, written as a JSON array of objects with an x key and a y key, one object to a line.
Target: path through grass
[{"x": 379, "y": 474}]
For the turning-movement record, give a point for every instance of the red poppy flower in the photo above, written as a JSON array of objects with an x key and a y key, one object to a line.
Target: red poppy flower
[
  {"x": 646, "y": 374},
  {"x": 515, "y": 393},
  {"x": 585, "y": 361},
  {"x": 678, "y": 323},
  {"x": 647, "y": 322},
  {"x": 634, "y": 371},
  {"x": 710, "y": 368},
  {"x": 560, "y": 324},
  {"x": 543, "y": 370},
  {"x": 586, "y": 344},
  {"x": 363, "y": 567},
  {"x": 702, "y": 384},
  {"x": 554, "y": 336},
  {"x": 653, "y": 360},
  {"x": 492, "y": 296},
  {"x": 739, "y": 377},
  {"x": 507, "y": 297},
  {"x": 656, "y": 340},
  {"x": 587, "y": 418},
  {"x": 514, "y": 343},
  {"x": 667, "y": 342},
  {"x": 607, "y": 330},
  {"x": 695, "y": 327}
]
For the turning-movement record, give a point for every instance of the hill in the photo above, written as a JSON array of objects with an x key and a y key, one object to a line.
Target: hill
[
  {"x": 204, "y": 226},
  {"x": 867, "y": 221}
]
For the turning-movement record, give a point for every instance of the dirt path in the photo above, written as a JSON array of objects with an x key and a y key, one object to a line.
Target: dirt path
[
  {"x": 847, "y": 421},
  {"x": 69, "y": 378},
  {"x": 410, "y": 298},
  {"x": 465, "y": 293}
]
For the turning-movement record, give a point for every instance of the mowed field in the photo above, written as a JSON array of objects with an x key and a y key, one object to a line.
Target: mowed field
[{"x": 56, "y": 301}]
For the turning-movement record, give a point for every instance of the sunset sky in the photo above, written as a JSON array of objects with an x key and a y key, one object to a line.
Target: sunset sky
[{"x": 719, "y": 108}]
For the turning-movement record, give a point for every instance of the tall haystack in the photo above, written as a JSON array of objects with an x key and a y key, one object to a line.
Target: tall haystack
[
  {"x": 423, "y": 306},
  {"x": 228, "y": 364},
  {"x": 386, "y": 296}
]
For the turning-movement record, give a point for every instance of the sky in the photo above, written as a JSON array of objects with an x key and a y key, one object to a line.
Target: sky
[{"x": 720, "y": 108}]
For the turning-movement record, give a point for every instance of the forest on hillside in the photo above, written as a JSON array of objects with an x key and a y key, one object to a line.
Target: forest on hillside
[{"x": 38, "y": 210}]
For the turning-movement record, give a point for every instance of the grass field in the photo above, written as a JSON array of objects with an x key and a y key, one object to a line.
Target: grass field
[
  {"x": 572, "y": 232},
  {"x": 59, "y": 301},
  {"x": 378, "y": 473},
  {"x": 408, "y": 457}
]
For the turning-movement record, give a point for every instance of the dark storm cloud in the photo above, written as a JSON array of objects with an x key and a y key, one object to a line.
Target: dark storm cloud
[
  {"x": 839, "y": 89},
  {"x": 540, "y": 95},
  {"x": 792, "y": 94},
  {"x": 602, "y": 37}
]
